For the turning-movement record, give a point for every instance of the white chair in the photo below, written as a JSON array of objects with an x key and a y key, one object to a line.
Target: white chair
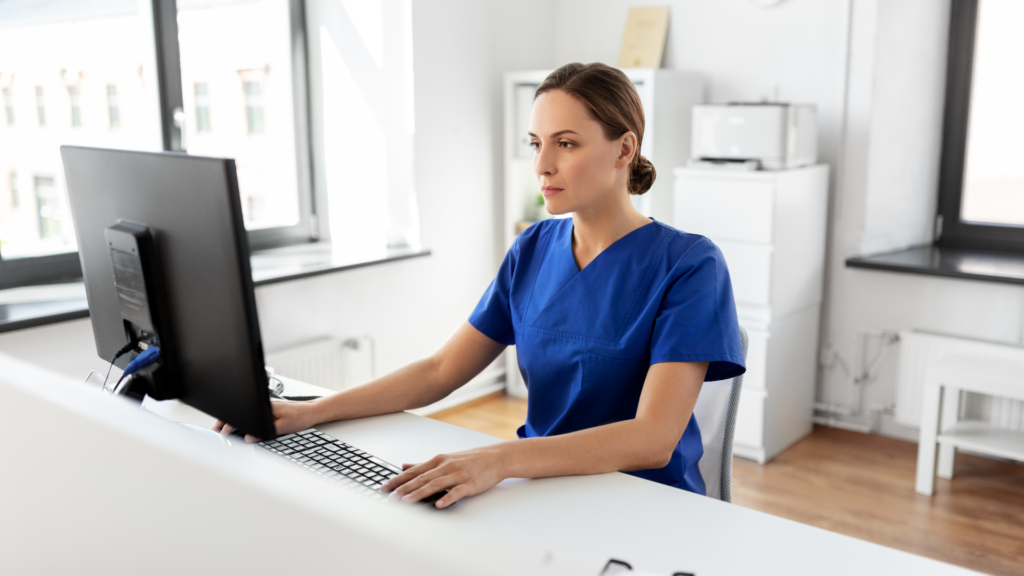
[{"x": 715, "y": 412}]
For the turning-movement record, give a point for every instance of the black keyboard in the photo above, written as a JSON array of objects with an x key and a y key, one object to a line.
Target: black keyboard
[{"x": 341, "y": 462}]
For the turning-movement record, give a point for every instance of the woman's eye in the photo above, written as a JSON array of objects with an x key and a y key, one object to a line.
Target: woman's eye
[
  {"x": 535, "y": 145},
  {"x": 566, "y": 144}
]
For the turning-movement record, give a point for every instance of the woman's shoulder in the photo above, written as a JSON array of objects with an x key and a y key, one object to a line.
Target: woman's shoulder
[{"x": 681, "y": 246}]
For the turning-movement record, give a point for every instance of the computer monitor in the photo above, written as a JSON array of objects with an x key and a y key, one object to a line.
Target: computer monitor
[{"x": 186, "y": 215}]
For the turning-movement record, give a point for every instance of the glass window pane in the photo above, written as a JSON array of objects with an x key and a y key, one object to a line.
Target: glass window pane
[
  {"x": 55, "y": 66},
  {"x": 236, "y": 57},
  {"x": 994, "y": 174}
]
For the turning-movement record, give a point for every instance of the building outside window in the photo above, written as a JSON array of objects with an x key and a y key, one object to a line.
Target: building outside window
[
  {"x": 40, "y": 106},
  {"x": 76, "y": 108},
  {"x": 113, "y": 110},
  {"x": 12, "y": 179},
  {"x": 47, "y": 48},
  {"x": 202, "y": 107},
  {"x": 9, "y": 105},
  {"x": 254, "y": 106}
]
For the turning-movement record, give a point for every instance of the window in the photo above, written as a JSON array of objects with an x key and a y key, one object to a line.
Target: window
[
  {"x": 81, "y": 47},
  {"x": 40, "y": 106},
  {"x": 76, "y": 107},
  {"x": 13, "y": 181},
  {"x": 246, "y": 59},
  {"x": 254, "y": 107},
  {"x": 113, "y": 111},
  {"x": 981, "y": 191},
  {"x": 9, "y": 105},
  {"x": 202, "y": 107}
]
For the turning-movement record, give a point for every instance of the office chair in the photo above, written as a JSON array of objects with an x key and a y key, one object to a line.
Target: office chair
[{"x": 716, "y": 416}]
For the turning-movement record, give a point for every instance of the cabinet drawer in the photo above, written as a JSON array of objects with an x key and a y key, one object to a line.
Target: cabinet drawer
[
  {"x": 725, "y": 209},
  {"x": 750, "y": 271}
]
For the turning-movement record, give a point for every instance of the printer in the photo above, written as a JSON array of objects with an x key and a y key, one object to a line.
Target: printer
[{"x": 754, "y": 136}]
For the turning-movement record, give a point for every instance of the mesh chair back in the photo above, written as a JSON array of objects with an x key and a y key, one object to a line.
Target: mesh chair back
[{"x": 716, "y": 416}]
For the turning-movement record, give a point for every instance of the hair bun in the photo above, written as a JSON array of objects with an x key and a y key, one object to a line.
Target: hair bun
[{"x": 641, "y": 176}]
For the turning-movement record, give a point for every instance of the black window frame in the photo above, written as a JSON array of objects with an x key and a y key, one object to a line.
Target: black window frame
[
  {"x": 56, "y": 268},
  {"x": 951, "y": 230}
]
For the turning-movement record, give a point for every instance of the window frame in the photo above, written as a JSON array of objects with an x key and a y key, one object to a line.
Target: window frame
[
  {"x": 66, "y": 267},
  {"x": 951, "y": 231}
]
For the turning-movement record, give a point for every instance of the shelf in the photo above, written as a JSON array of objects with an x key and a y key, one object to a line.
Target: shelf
[
  {"x": 963, "y": 263},
  {"x": 983, "y": 438}
]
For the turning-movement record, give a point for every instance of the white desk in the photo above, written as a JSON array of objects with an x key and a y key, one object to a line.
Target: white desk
[{"x": 653, "y": 527}]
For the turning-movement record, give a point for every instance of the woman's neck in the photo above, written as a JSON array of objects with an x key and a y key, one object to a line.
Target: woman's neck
[{"x": 598, "y": 227}]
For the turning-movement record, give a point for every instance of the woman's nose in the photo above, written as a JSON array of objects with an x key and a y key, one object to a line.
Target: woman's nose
[{"x": 543, "y": 162}]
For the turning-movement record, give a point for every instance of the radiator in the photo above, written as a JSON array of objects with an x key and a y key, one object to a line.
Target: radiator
[
  {"x": 328, "y": 362},
  {"x": 918, "y": 350}
]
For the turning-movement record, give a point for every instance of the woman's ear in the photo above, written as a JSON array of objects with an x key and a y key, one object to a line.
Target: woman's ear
[{"x": 627, "y": 150}]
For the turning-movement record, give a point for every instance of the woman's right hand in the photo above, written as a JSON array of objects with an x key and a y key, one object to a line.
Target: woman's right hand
[{"x": 288, "y": 417}]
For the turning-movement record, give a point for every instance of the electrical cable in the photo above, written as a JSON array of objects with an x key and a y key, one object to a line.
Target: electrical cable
[
  {"x": 121, "y": 352},
  {"x": 148, "y": 356}
]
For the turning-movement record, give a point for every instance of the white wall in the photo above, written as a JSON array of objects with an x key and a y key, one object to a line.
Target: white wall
[{"x": 747, "y": 52}]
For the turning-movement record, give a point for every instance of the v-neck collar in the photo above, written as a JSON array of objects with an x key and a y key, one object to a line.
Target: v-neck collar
[
  {"x": 585, "y": 296},
  {"x": 620, "y": 241}
]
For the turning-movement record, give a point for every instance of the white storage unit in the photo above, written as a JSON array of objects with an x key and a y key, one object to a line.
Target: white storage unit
[
  {"x": 771, "y": 228},
  {"x": 668, "y": 97}
]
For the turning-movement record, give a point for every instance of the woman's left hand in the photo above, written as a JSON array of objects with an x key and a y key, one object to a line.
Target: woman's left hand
[{"x": 461, "y": 474}]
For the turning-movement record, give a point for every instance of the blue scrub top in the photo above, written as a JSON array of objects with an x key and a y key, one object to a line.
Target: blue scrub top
[{"x": 585, "y": 339}]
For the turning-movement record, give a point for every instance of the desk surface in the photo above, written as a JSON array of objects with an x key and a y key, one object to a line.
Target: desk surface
[{"x": 653, "y": 527}]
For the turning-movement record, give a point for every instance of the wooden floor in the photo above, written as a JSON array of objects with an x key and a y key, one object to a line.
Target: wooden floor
[{"x": 859, "y": 485}]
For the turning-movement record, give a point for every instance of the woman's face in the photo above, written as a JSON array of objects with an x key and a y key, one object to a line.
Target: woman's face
[{"x": 576, "y": 166}]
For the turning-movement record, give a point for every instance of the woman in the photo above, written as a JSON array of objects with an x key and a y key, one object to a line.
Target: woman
[{"x": 617, "y": 319}]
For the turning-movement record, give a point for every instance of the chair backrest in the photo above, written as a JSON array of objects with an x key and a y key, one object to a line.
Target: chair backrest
[{"x": 716, "y": 416}]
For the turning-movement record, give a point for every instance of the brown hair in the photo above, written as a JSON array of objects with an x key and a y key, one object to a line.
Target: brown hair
[{"x": 612, "y": 100}]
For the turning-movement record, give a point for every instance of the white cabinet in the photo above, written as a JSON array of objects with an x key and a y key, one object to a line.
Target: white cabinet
[
  {"x": 667, "y": 97},
  {"x": 770, "y": 227}
]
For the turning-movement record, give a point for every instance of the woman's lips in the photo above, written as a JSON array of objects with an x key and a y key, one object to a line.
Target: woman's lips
[{"x": 550, "y": 190}]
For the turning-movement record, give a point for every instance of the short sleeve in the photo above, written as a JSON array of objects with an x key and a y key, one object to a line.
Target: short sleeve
[
  {"x": 696, "y": 321},
  {"x": 493, "y": 314}
]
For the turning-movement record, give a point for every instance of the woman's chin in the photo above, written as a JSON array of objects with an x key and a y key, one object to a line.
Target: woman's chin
[{"x": 555, "y": 210}]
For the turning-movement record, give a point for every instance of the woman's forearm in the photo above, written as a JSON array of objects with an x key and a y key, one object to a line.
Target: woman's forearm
[
  {"x": 622, "y": 446},
  {"x": 413, "y": 386}
]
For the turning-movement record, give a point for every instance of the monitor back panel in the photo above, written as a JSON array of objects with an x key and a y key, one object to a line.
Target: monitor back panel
[{"x": 192, "y": 206}]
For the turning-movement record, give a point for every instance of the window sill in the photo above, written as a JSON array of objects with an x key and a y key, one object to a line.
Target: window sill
[
  {"x": 313, "y": 259},
  {"x": 41, "y": 305},
  {"x": 962, "y": 263}
]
